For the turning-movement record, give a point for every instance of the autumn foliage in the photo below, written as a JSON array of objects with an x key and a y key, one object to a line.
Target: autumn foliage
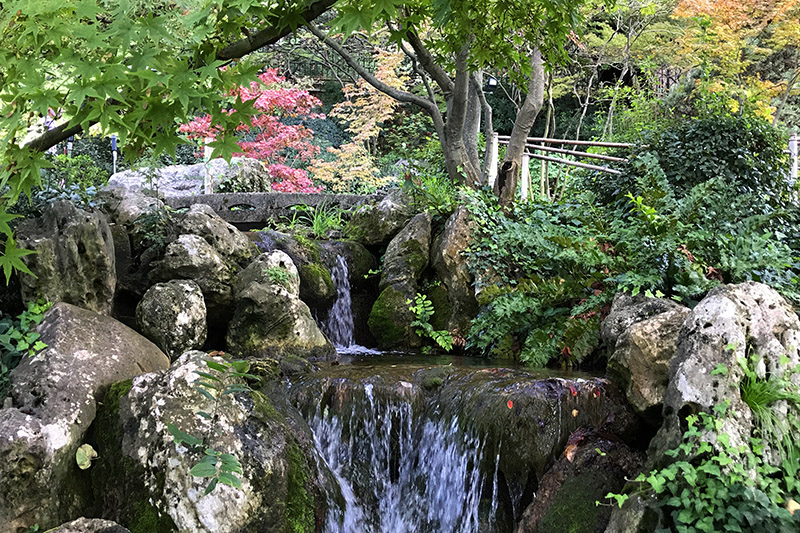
[{"x": 267, "y": 136}]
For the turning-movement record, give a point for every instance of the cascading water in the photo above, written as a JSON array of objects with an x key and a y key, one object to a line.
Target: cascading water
[
  {"x": 399, "y": 472},
  {"x": 339, "y": 325}
]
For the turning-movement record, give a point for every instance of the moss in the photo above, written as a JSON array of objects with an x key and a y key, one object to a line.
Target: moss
[
  {"x": 310, "y": 248},
  {"x": 299, "y": 501},
  {"x": 386, "y": 319},
  {"x": 415, "y": 256},
  {"x": 263, "y": 406},
  {"x": 316, "y": 281},
  {"x": 441, "y": 307},
  {"x": 573, "y": 508}
]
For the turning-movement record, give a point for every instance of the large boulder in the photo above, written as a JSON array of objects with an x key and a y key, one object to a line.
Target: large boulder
[
  {"x": 269, "y": 317},
  {"x": 408, "y": 254},
  {"x": 591, "y": 467},
  {"x": 459, "y": 305},
  {"x": 90, "y": 525},
  {"x": 376, "y": 224},
  {"x": 390, "y": 318},
  {"x": 640, "y": 362},
  {"x": 187, "y": 180},
  {"x": 228, "y": 241},
  {"x": 54, "y": 398},
  {"x": 123, "y": 206},
  {"x": 191, "y": 257},
  {"x": 732, "y": 322},
  {"x": 173, "y": 315},
  {"x": 310, "y": 258},
  {"x": 142, "y": 476},
  {"x": 74, "y": 259},
  {"x": 627, "y": 310}
]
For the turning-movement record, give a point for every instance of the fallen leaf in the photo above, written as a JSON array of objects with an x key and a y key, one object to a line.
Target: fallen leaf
[
  {"x": 569, "y": 452},
  {"x": 574, "y": 413},
  {"x": 84, "y": 456},
  {"x": 510, "y": 404},
  {"x": 792, "y": 505}
]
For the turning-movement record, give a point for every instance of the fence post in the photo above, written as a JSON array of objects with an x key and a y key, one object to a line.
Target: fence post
[
  {"x": 525, "y": 177},
  {"x": 206, "y": 159},
  {"x": 793, "y": 155},
  {"x": 493, "y": 155}
]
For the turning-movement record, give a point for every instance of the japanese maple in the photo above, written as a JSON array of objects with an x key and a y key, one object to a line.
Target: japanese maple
[{"x": 275, "y": 142}]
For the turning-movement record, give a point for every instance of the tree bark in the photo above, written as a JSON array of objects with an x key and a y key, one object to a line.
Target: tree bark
[{"x": 505, "y": 187}]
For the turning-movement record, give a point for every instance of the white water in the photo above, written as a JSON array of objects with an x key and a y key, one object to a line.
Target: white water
[
  {"x": 398, "y": 473},
  {"x": 339, "y": 326}
]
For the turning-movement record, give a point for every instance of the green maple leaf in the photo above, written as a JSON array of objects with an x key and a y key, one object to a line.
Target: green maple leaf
[{"x": 12, "y": 259}]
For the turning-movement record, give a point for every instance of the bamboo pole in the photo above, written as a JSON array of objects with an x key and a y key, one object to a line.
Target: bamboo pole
[
  {"x": 576, "y": 153},
  {"x": 574, "y": 163},
  {"x": 502, "y": 138}
]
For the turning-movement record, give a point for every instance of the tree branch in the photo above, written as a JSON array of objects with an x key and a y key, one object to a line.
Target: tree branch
[{"x": 425, "y": 58}]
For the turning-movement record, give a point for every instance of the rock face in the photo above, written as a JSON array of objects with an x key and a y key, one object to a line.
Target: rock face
[
  {"x": 228, "y": 241},
  {"x": 731, "y": 322},
  {"x": 269, "y": 317},
  {"x": 141, "y": 477},
  {"x": 191, "y": 257},
  {"x": 377, "y": 224},
  {"x": 460, "y": 305},
  {"x": 640, "y": 361},
  {"x": 565, "y": 498},
  {"x": 186, "y": 180},
  {"x": 408, "y": 254},
  {"x": 123, "y": 206},
  {"x": 74, "y": 259},
  {"x": 316, "y": 283},
  {"x": 626, "y": 311},
  {"x": 54, "y": 397},
  {"x": 406, "y": 258},
  {"x": 90, "y": 525},
  {"x": 173, "y": 315}
]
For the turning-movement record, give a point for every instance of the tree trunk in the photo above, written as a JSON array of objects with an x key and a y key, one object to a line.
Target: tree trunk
[{"x": 505, "y": 187}]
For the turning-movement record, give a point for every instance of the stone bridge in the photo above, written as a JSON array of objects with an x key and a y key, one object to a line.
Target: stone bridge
[{"x": 252, "y": 210}]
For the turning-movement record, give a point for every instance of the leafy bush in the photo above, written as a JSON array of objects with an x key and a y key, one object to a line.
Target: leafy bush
[
  {"x": 431, "y": 191},
  {"x": 422, "y": 308},
  {"x": 18, "y": 338}
]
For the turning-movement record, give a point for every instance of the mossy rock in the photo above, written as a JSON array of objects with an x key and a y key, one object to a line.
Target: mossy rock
[
  {"x": 441, "y": 307},
  {"x": 391, "y": 317},
  {"x": 316, "y": 284}
]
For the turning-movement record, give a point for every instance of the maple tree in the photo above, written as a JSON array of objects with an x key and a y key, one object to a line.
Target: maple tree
[
  {"x": 366, "y": 110},
  {"x": 279, "y": 144}
]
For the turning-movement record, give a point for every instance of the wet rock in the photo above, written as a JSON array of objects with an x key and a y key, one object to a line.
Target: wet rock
[
  {"x": 361, "y": 264},
  {"x": 191, "y": 257},
  {"x": 460, "y": 305},
  {"x": 640, "y": 362},
  {"x": 173, "y": 315},
  {"x": 74, "y": 259},
  {"x": 408, "y": 254},
  {"x": 591, "y": 467},
  {"x": 376, "y": 224},
  {"x": 54, "y": 400},
  {"x": 270, "y": 318},
  {"x": 627, "y": 310},
  {"x": 731, "y": 322},
  {"x": 390, "y": 318},
  {"x": 316, "y": 285},
  {"x": 142, "y": 476},
  {"x": 90, "y": 525},
  {"x": 230, "y": 243}
]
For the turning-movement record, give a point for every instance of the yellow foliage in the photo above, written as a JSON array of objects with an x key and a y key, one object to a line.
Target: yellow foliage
[{"x": 366, "y": 110}]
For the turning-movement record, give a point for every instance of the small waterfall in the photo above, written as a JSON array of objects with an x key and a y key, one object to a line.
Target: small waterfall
[
  {"x": 399, "y": 472},
  {"x": 339, "y": 325}
]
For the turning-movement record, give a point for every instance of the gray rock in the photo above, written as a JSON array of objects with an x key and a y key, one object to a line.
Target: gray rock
[
  {"x": 123, "y": 206},
  {"x": 565, "y": 497},
  {"x": 90, "y": 525},
  {"x": 186, "y": 180},
  {"x": 141, "y": 470},
  {"x": 269, "y": 317},
  {"x": 54, "y": 400},
  {"x": 173, "y": 315},
  {"x": 391, "y": 316},
  {"x": 376, "y": 224},
  {"x": 640, "y": 362},
  {"x": 228, "y": 241},
  {"x": 191, "y": 257},
  {"x": 731, "y": 322},
  {"x": 627, "y": 310},
  {"x": 637, "y": 515},
  {"x": 451, "y": 270},
  {"x": 408, "y": 254},
  {"x": 74, "y": 259}
]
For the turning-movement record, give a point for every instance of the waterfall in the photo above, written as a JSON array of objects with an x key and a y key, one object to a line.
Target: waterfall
[
  {"x": 399, "y": 472},
  {"x": 339, "y": 325}
]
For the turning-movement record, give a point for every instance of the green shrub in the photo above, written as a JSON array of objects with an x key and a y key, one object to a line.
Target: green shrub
[{"x": 18, "y": 338}]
